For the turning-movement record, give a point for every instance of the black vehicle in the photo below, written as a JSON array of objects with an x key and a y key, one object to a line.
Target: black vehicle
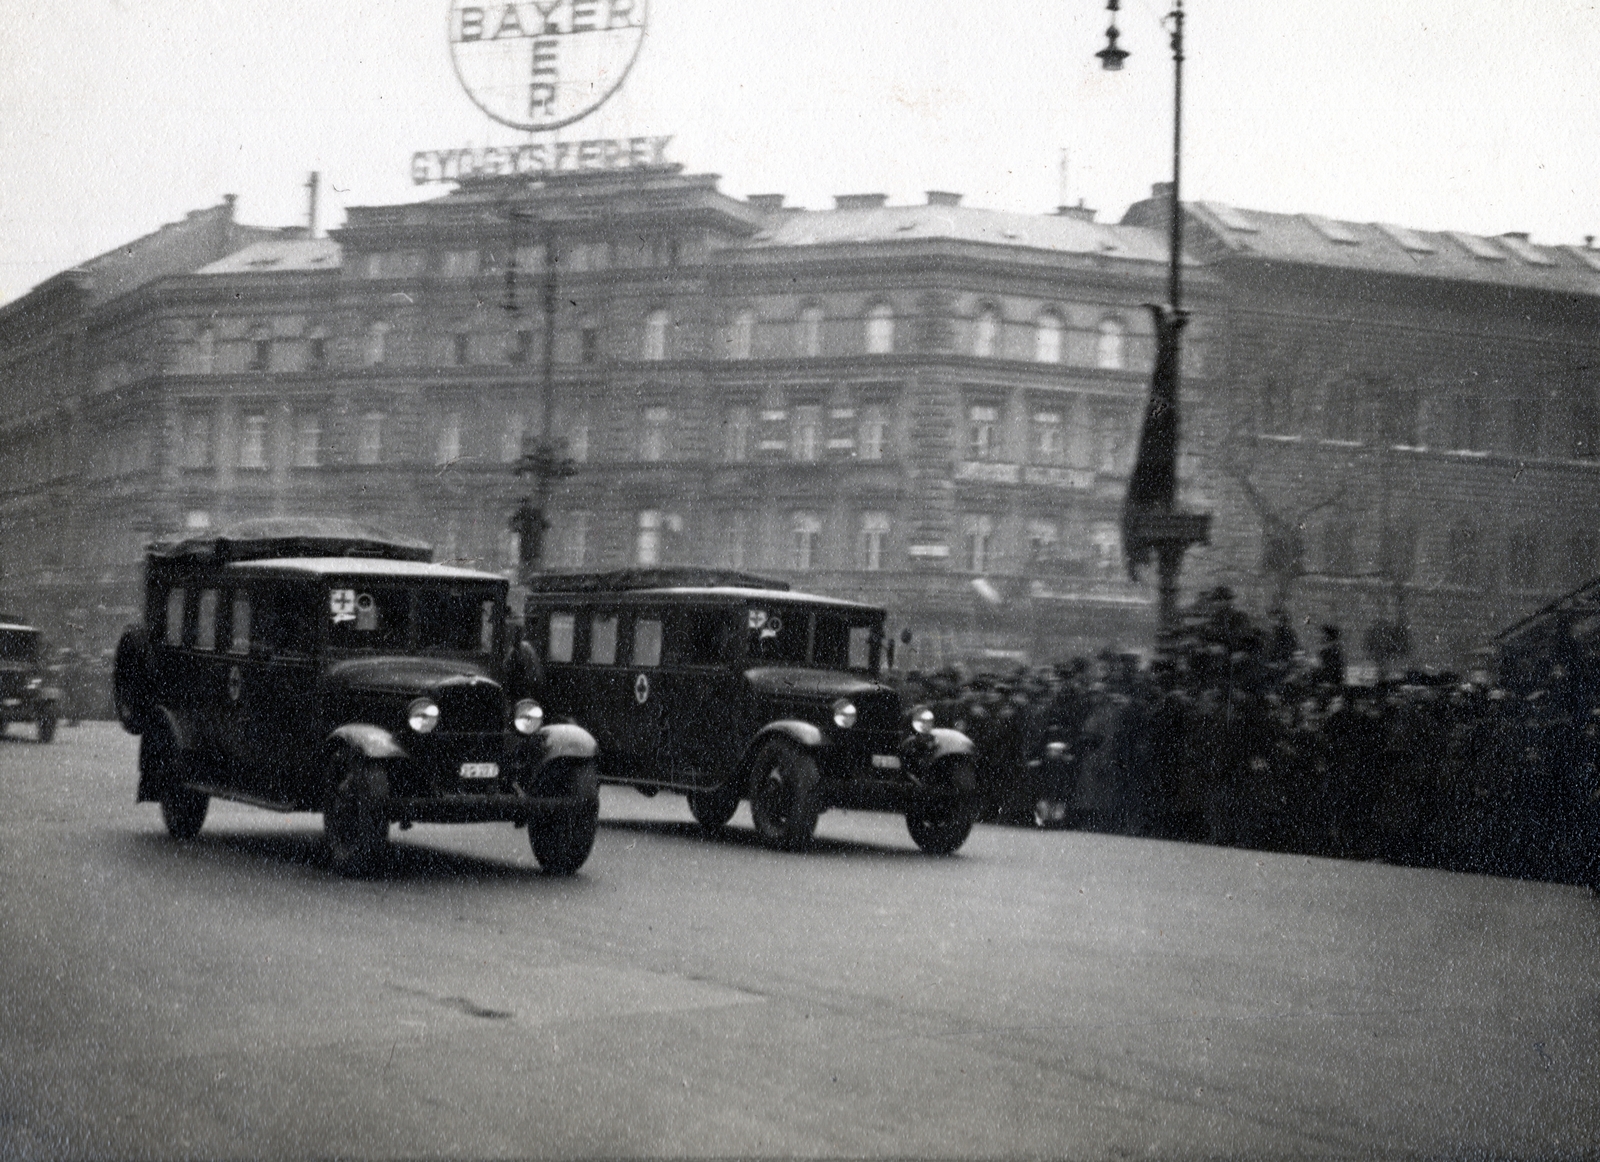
[
  {"x": 724, "y": 687},
  {"x": 27, "y": 693},
  {"x": 314, "y": 666}
]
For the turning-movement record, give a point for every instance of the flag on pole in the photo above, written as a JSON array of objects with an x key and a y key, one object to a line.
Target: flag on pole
[{"x": 1153, "y": 486}]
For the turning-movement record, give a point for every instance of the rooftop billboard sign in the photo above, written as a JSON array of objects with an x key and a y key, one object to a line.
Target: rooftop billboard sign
[{"x": 543, "y": 64}]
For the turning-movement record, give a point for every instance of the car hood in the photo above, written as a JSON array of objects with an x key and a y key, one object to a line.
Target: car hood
[
  {"x": 794, "y": 682},
  {"x": 407, "y": 675}
]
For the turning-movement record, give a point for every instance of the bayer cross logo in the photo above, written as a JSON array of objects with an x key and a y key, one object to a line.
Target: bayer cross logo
[{"x": 543, "y": 64}]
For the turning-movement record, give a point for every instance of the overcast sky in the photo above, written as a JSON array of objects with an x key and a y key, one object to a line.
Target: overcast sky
[{"x": 1481, "y": 115}]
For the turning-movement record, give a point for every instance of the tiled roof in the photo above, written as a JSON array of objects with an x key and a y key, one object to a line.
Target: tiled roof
[
  {"x": 279, "y": 254},
  {"x": 1060, "y": 233},
  {"x": 1381, "y": 247}
]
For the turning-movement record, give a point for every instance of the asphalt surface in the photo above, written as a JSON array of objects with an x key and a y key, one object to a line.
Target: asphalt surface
[{"x": 1040, "y": 994}]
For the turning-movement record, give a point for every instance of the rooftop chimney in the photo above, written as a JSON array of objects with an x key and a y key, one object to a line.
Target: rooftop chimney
[
  {"x": 1161, "y": 190},
  {"x": 1081, "y": 212},
  {"x": 943, "y": 198},
  {"x": 1520, "y": 235},
  {"x": 859, "y": 201},
  {"x": 313, "y": 185},
  {"x": 765, "y": 202}
]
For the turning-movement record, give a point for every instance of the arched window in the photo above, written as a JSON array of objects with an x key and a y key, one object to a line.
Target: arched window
[
  {"x": 1341, "y": 411},
  {"x": 811, "y": 331},
  {"x": 1111, "y": 345},
  {"x": 656, "y": 324},
  {"x": 986, "y": 332},
  {"x": 1047, "y": 338},
  {"x": 880, "y": 330},
  {"x": 742, "y": 335}
]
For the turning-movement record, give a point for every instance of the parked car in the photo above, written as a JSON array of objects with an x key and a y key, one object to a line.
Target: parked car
[
  {"x": 316, "y": 666},
  {"x": 723, "y": 687},
  {"x": 27, "y": 693}
]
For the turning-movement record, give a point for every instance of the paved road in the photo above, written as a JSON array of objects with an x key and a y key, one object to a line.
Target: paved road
[{"x": 1046, "y": 994}]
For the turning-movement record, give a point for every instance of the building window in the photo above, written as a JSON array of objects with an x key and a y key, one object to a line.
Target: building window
[
  {"x": 369, "y": 438},
  {"x": 1402, "y": 415},
  {"x": 448, "y": 449},
  {"x": 742, "y": 334},
  {"x": 1397, "y": 551},
  {"x": 578, "y": 438},
  {"x": 377, "y": 343},
  {"x": 986, "y": 332},
  {"x": 1583, "y": 550},
  {"x": 575, "y": 544},
  {"x": 981, "y": 420},
  {"x": 307, "y": 439},
  {"x": 1106, "y": 538},
  {"x": 1466, "y": 423},
  {"x": 1049, "y": 439},
  {"x": 1585, "y": 429},
  {"x": 1043, "y": 536},
  {"x": 874, "y": 532},
  {"x": 520, "y": 350},
  {"x": 656, "y": 324},
  {"x": 811, "y": 332},
  {"x": 260, "y": 357},
  {"x": 1274, "y": 413},
  {"x": 511, "y": 438},
  {"x": 1111, "y": 345},
  {"x": 1047, "y": 338},
  {"x": 980, "y": 535},
  {"x": 317, "y": 350},
  {"x": 874, "y": 432},
  {"x": 459, "y": 263},
  {"x": 647, "y": 543},
  {"x": 589, "y": 342},
  {"x": 1464, "y": 555},
  {"x": 880, "y": 330},
  {"x": 805, "y": 530},
  {"x": 805, "y": 439},
  {"x": 253, "y": 440},
  {"x": 1524, "y": 422},
  {"x": 1339, "y": 548},
  {"x": 1341, "y": 411},
  {"x": 197, "y": 439},
  {"x": 461, "y": 348},
  {"x": 735, "y": 538},
  {"x": 736, "y": 435},
  {"x": 655, "y": 434},
  {"x": 206, "y": 350},
  {"x": 1523, "y": 566}
]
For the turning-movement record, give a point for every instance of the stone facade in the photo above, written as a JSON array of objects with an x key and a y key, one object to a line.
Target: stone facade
[{"x": 933, "y": 406}]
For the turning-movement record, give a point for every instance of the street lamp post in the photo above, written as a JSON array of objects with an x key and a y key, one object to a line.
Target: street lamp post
[
  {"x": 1152, "y": 523},
  {"x": 544, "y": 459}
]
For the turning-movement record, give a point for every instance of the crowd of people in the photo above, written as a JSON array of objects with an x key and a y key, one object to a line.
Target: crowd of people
[{"x": 1237, "y": 737}]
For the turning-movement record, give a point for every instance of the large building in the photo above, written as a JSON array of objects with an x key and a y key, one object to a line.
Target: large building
[{"x": 930, "y": 406}]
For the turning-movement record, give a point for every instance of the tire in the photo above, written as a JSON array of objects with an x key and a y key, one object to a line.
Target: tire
[
  {"x": 783, "y": 796},
  {"x": 47, "y": 727},
  {"x": 940, "y": 827},
  {"x": 353, "y": 822},
  {"x": 184, "y": 812},
  {"x": 713, "y": 809},
  {"x": 563, "y": 842}
]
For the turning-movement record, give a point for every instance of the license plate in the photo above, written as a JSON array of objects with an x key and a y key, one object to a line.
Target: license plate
[
  {"x": 480, "y": 770},
  {"x": 886, "y": 762}
]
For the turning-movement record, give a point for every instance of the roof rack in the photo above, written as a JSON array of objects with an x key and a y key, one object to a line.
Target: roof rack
[
  {"x": 625, "y": 580},
  {"x": 273, "y": 537}
]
